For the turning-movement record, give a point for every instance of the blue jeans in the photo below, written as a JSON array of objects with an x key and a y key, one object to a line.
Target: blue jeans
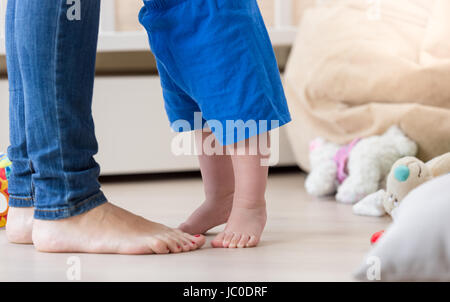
[{"x": 51, "y": 64}]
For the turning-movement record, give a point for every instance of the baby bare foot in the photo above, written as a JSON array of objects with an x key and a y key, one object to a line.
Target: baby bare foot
[
  {"x": 210, "y": 214},
  {"x": 108, "y": 229},
  {"x": 19, "y": 225},
  {"x": 244, "y": 227}
]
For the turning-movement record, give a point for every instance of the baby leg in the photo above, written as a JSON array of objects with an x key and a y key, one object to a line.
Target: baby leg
[
  {"x": 218, "y": 181},
  {"x": 248, "y": 215}
]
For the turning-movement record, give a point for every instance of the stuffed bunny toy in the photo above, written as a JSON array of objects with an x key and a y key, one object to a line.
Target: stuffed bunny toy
[
  {"x": 406, "y": 174},
  {"x": 355, "y": 170}
]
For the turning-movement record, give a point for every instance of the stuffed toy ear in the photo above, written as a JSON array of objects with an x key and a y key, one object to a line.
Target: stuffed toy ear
[{"x": 439, "y": 165}]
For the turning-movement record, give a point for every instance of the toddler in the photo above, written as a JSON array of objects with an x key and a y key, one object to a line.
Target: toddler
[{"x": 215, "y": 57}]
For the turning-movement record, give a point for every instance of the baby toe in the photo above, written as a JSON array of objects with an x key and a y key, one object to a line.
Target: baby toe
[
  {"x": 235, "y": 240},
  {"x": 227, "y": 239},
  {"x": 253, "y": 241},
  {"x": 218, "y": 240},
  {"x": 244, "y": 240}
]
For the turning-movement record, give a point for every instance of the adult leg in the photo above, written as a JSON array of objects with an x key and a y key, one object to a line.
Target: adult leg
[
  {"x": 20, "y": 214},
  {"x": 57, "y": 60}
]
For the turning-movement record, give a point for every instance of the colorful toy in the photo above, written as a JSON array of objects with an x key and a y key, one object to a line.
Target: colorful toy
[
  {"x": 5, "y": 169},
  {"x": 376, "y": 236},
  {"x": 355, "y": 170},
  {"x": 406, "y": 174}
]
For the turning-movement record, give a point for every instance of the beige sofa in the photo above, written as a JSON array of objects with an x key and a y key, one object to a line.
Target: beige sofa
[{"x": 356, "y": 69}]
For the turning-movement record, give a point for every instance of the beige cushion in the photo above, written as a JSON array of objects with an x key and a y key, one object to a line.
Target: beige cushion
[{"x": 353, "y": 73}]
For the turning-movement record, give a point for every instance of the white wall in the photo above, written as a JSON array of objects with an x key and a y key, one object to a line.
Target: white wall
[{"x": 131, "y": 127}]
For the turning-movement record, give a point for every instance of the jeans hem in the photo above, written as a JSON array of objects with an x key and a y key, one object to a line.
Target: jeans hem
[
  {"x": 78, "y": 209},
  {"x": 20, "y": 202}
]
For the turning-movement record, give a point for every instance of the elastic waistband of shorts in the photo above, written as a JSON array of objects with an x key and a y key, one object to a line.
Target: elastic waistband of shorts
[{"x": 162, "y": 4}]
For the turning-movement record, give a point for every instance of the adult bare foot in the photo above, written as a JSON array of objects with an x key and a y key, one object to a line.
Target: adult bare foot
[
  {"x": 112, "y": 230},
  {"x": 211, "y": 213},
  {"x": 244, "y": 227},
  {"x": 20, "y": 225}
]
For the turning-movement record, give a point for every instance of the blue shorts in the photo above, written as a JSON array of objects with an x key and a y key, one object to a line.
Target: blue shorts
[{"x": 215, "y": 59}]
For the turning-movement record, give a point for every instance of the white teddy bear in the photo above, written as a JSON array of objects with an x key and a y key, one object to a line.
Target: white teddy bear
[{"x": 358, "y": 169}]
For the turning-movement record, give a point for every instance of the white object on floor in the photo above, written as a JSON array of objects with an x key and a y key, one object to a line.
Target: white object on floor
[
  {"x": 416, "y": 247},
  {"x": 406, "y": 174},
  {"x": 371, "y": 205}
]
